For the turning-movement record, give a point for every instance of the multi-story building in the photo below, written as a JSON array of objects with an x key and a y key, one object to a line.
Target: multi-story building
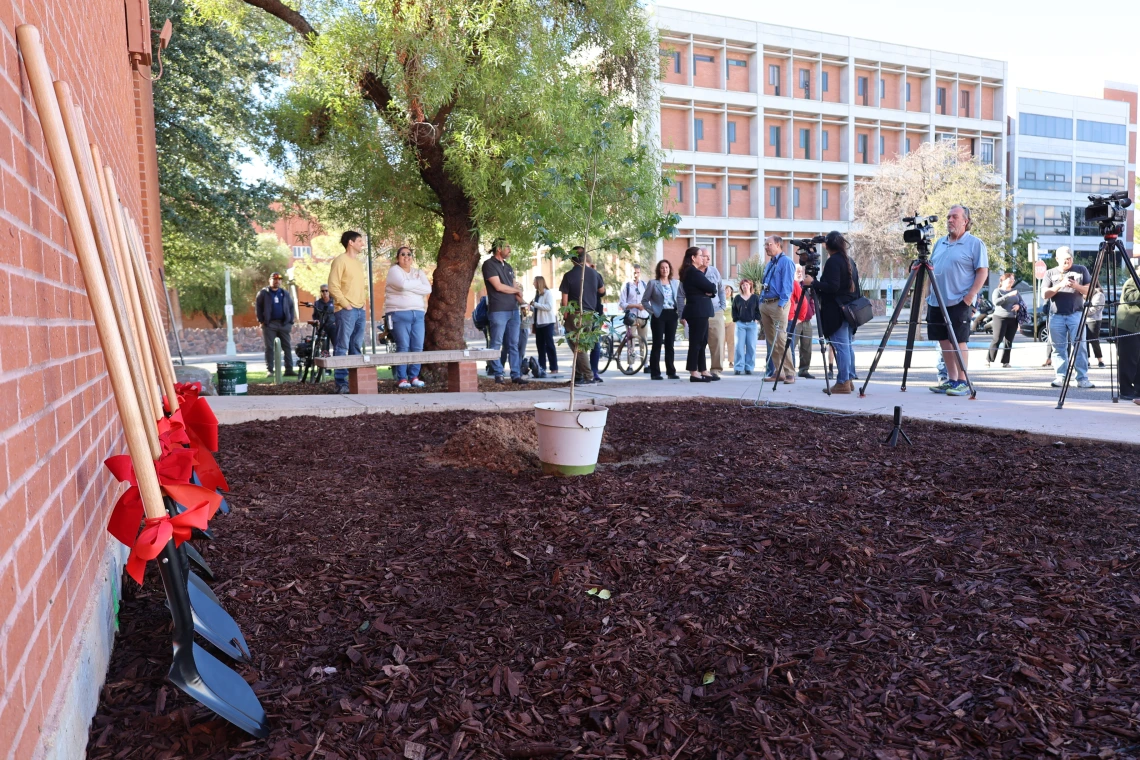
[
  {"x": 1061, "y": 149},
  {"x": 768, "y": 128}
]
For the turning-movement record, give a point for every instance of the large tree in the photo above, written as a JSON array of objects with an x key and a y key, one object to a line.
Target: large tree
[
  {"x": 440, "y": 122},
  {"x": 210, "y": 110},
  {"x": 928, "y": 182}
]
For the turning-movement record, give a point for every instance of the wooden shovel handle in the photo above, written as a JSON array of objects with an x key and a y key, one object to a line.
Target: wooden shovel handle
[
  {"x": 67, "y": 181},
  {"x": 136, "y": 259},
  {"x": 85, "y": 171}
]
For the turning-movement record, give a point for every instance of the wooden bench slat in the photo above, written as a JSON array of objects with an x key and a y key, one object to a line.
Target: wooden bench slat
[{"x": 410, "y": 357}]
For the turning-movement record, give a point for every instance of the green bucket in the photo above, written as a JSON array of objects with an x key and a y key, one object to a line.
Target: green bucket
[{"x": 231, "y": 379}]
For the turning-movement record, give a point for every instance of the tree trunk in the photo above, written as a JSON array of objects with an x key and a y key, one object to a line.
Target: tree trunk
[{"x": 451, "y": 282}]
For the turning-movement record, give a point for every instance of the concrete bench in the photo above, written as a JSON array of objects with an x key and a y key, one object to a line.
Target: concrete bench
[{"x": 462, "y": 372}]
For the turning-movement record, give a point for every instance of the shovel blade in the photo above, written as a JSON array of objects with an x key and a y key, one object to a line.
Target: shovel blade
[
  {"x": 198, "y": 560},
  {"x": 213, "y": 623},
  {"x": 205, "y": 679},
  {"x": 224, "y": 507}
]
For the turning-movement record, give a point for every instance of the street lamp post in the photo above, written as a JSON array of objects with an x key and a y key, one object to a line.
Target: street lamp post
[{"x": 231, "y": 349}]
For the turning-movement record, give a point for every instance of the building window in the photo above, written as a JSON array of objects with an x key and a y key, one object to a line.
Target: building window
[
  {"x": 823, "y": 137},
  {"x": 302, "y": 251},
  {"x": 1036, "y": 125},
  {"x": 823, "y": 81},
  {"x": 908, "y": 92},
  {"x": 862, "y": 89},
  {"x": 861, "y": 147},
  {"x": 681, "y": 192},
  {"x": 774, "y": 139},
  {"x": 737, "y": 188},
  {"x": 699, "y": 128},
  {"x": 906, "y": 143},
  {"x": 1039, "y": 174},
  {"x": 941, "y": 101},
  {"x": 1047, "y": 220},
  {"x": 882, "y": 88},
  {"x": 805, "y": 82},
  {"x": 882, "y": 147},
  {"x": 1099, "y": 178},
  {"x": 676, "y": 56},
  {"x": 1101, "y": 132},
  {"x": 964, "y": 96},
  {"x": 734, "y": 62},
  {"x": 774, "y": 77},
  {"x": 795, "y": 197},
  {"x": 704, "y": 186},
  {"x": 702, "y": 59},
  {"x": 987, "y": 155},
  {"x": 824, "y": 198},
  {"x": 774, "y": 200},
  {"x": 805, "y": 142},
  {"x": 732, "y": 132}
]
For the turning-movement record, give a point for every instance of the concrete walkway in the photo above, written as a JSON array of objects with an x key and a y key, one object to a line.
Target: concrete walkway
[{"x": 1081, "y": 418}]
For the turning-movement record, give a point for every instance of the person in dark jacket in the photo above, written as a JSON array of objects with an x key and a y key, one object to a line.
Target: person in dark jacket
[
  {"x": 275, "y": 312},
  {"x": 1007, "y": 302},
  {"x": 699, "y": 292},
  {"x": 838, "y": 285},
  {"x": 745, "y": 320}
]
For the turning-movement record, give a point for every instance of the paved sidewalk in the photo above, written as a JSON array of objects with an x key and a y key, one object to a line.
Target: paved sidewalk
[{"x": 1081, "y": 418}]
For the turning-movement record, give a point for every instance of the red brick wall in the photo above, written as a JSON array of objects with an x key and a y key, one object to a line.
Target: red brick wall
[
  {"x": 742, "y": 146},
  {"x": 782, "y": 85},
  {"x": 57, "y": 418},
  {"x": 915, "y": 102},
  {"x": 895, "y": 92},
  {"x": 707, "y": 73},
  {"x": 1129, "y": 97},
  {"x": 675, "y": 129},
  {"x": 736, "y": 77},
  {"x": 834, "y": 83}
]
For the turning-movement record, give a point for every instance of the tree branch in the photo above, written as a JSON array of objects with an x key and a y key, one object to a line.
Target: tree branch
[{"x": 291, "y": 17}]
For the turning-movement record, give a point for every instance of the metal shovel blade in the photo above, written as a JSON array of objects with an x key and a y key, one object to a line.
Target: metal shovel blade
[
  {"x": 213, "y": 623},
  {"x": 198, "y": 673},
  {"x": 198, "y": 560}
]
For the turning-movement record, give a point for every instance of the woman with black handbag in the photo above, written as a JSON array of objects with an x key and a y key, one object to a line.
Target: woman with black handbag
[
  {"x": 1008, "y": 308},
  {"x": 841, "y": 310}
]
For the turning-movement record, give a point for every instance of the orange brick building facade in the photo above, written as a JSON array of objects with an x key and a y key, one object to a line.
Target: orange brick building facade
[{"x": 59, "y": 568}]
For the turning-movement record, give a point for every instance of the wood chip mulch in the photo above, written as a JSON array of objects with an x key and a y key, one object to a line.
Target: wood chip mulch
[{"x": 779, "y": 583}]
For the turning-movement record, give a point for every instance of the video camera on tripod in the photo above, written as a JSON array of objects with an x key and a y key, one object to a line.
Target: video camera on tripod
[
  {"x": 808, "y": 253},
  {"x": 1108, "y": 211},
  {"x": 920, "y": 231}
]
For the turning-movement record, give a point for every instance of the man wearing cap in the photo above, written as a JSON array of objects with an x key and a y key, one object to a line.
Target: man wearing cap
[{"x": 275, "y": 313}]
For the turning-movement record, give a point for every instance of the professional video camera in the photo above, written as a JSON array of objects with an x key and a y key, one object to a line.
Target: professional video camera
[
  {"x": 920, "y": 231},
  {"x": 1108, "y": 211},
  {"x": 808, "y": 253}
]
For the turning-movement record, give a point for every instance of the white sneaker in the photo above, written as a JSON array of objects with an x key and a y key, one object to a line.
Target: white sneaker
[
  {"x": 1085, "y": 384},
  {"x": 403, "y": 385},
  {"x": 1057, "y": 383},
  {"x": 417, "y": 383}
]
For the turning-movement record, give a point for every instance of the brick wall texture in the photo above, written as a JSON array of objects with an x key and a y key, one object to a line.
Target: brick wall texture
[{"x": 58, "y": 420}]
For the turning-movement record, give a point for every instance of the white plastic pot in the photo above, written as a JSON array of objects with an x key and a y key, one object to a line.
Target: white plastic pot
[{"x": 568, "y": 442}]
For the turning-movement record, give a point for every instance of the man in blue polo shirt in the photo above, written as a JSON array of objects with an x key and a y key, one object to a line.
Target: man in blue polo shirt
[
  {"x": 961, "y": 266},
  {"x": 775, "y": 303}
]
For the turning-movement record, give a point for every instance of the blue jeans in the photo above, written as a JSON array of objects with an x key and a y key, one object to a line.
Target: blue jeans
[
  {"x": 1066, "y": 331},
  {"x": 349, "y": 339},
  {"x": 505, "y": 334},
  {"x": 408, "y": 327},
  {"x": 844, "y": 352},
  {"x": 745, "y": 354}
]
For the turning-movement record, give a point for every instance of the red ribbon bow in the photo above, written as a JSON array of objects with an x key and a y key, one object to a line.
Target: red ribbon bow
[
  {"x": 199, "y": 418},
  {"x": 158, "y": 531}
]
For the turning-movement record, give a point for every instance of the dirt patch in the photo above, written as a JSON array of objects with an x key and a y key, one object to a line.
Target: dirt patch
[
  {"x": 486, "y": 385},
  {"x": 500, "y": 443},
  {"x": 784, "y": 586}
]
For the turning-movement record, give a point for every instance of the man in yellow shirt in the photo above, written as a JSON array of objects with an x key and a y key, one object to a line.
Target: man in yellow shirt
[{"x": 349, "y": 290}]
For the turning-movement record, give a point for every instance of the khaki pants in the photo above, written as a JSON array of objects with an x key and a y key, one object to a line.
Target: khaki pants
[
  {"x": 730, "y": 347},
  {"x": 804, "y": 335},
  {"x": 774, "y": 323},
  {"x": 716, "y": 342}
]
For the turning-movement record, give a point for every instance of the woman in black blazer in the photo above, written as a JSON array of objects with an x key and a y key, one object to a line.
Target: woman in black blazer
[
  {"x": 699, "y": 293},
  {"x": 838, "y": 286}
]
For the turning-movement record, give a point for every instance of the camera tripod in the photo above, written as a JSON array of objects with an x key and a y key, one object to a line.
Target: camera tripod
[
  {"x": 1110, "y": 247},
  {"x": 921, "y": 269},
  {"x": 805, "y": 292}
]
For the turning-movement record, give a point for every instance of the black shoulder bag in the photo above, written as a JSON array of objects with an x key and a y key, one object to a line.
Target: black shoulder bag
[{"x": 857, "y": 312}]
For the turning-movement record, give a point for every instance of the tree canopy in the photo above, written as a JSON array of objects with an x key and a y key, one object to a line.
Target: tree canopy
[
  {"x": 444, "y": 124},
  {"x": 210, "y": 110},
  {"x": 928, "y": 182}
]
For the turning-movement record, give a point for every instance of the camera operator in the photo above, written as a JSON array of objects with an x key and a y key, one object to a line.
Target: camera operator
[
  {"x": 323, "y": 310},
  {"x": 961, "y": 266},
  {"x": 838, "y": 285},
  {"x": 1067, "y": 286},
  {"x": 775, "y": 302}
]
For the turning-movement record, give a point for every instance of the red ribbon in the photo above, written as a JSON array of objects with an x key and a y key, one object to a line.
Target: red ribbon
[
  {"x": 198, "y": 417},
  {"x": 158, "y": 531}
]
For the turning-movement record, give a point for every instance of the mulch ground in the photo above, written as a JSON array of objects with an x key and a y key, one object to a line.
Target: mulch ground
[
  {"x": 486, "y": 385},
  {"x": 780, "y": 585}
]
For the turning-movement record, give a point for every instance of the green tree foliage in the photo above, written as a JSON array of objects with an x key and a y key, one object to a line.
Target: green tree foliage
[
  {"x": 927, "y": 181},
  {"x": 210, "y": 113},
  {"x": 204, "y": 291},
  {"x": 433, "y": 121},
  {"x": 1017, "y": 259}
]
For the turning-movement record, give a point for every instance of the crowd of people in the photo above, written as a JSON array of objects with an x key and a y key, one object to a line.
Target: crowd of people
[{"x": 723, "y": 326}]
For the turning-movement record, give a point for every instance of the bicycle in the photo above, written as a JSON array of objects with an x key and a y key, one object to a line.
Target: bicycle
[{"x": 624, "y": 346}]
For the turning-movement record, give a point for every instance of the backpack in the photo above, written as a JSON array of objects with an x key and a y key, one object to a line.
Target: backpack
[
  {"x": 535, "y": 370},
  {"x": 479, "y": 316}
]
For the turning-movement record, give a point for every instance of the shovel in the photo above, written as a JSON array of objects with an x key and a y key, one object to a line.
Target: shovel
[{"x": 194, "y": 670}]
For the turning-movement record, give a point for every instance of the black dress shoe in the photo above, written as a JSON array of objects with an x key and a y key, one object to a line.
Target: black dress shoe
[
  {"x": 712, "y": 378},
  {"x": 807, "y": 375},
  {"x": 698, "y": 379},
  {"x": 674, "y": 376},
  {"x": 656, "y": 377}
]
